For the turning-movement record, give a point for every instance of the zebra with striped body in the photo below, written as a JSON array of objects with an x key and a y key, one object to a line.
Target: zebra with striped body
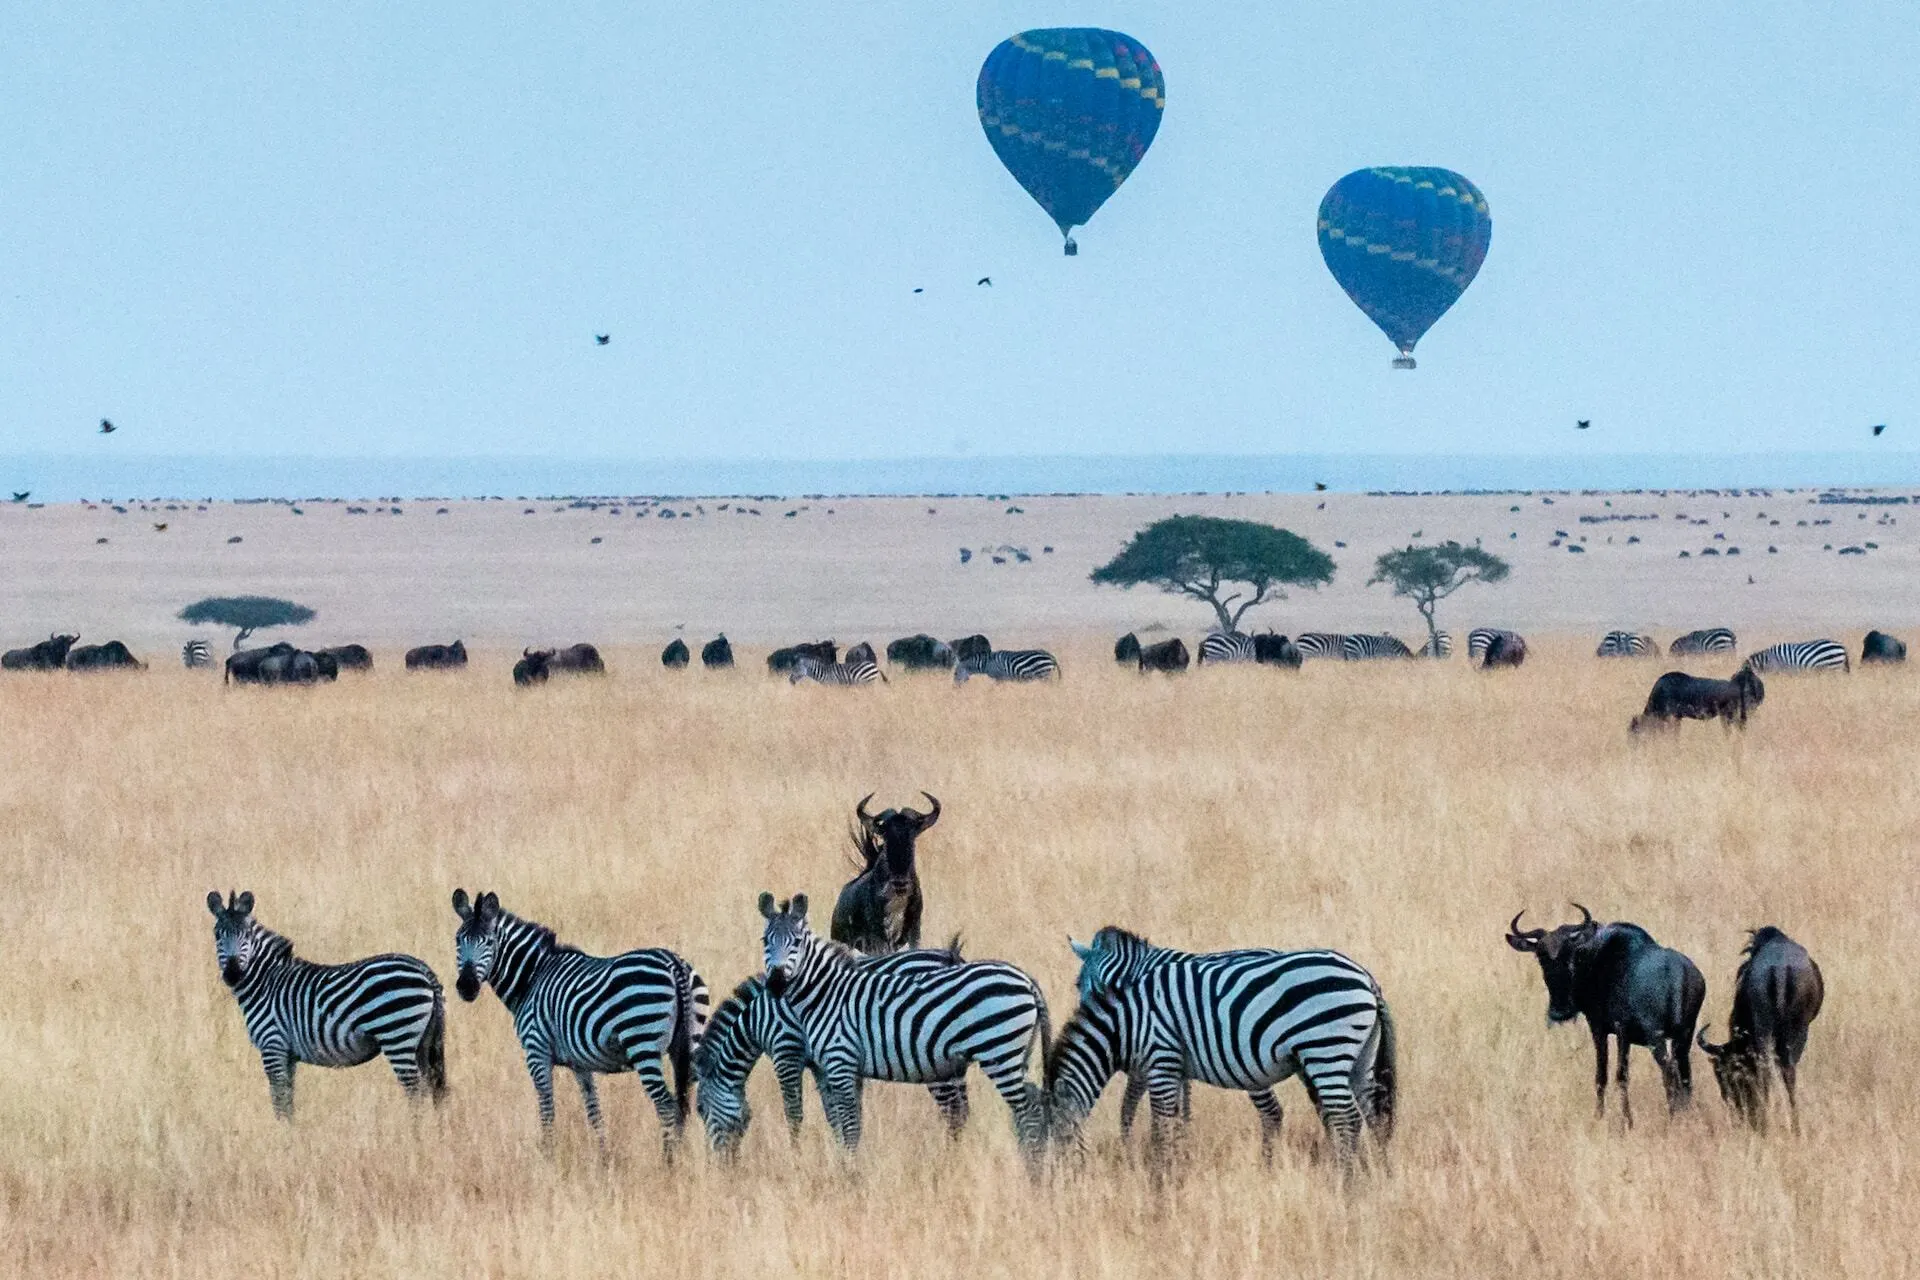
[
  {"x": 1320, "y": 644},
  {"x": 1363, "y": 648},
  {"x": 1241, "y": 1020},
  {"x": 1226, "y": 646},
  {"x": 1438, "y": 645},
  {"x": 751, "y": 1024},
  {"x": 1626, "y": 644},
  {"x": 1800, "y": 655},
  {"x": 838, "y": 674},
  {"x": 195, "y": 654},
  {"x": 329, "y": 1015},
  {"x": 589, "y": 1013},
  {"x": 1480, "y": 639},
  {"x": 1008, "y": 664},
  {"x": 1705, "y": 640},
  {"x": 911, "y": 1028}
]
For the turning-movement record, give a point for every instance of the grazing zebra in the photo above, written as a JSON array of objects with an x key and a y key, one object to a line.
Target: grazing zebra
[
  {"x": 1480, "y": 639},
  {"x": 1626, "y": 644},
  {"x": 911, "y": 1028},
  {"x": 1706, "y": 640},
  {"x": 590, "y": 1013},
  {"x": 1320, "y": 644},
  {"x": 751, "y": 1024},
  {"x": 1008, "y": 664},
  {"x": 842, "y": 674},
  {"x": 1360, "y": 648},
  {"x": 1226, "y": 646},
  {"x": 1800, "y": 655},
  {"x": 329, "y": 1015},
  {"x": 1241, "y": 1020},
  {"x": 195, "y": 654},
  {"x": 1438, "y": 645}
]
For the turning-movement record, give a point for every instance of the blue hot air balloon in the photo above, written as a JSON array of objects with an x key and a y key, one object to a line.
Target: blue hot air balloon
[
  {"x": 1404, "y": 243},
  {"x": 1070, "y": 111}
]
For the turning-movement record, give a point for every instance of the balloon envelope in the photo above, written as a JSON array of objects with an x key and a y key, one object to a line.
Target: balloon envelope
[
  {"x": 1404, "y": 243},
  {"x": 1070, "y": 111}
]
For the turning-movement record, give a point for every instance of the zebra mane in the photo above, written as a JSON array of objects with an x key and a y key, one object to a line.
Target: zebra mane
[
  {"x": 276, "y": 946},
  {"x": 1077, "y": 1027},
  {"x": 541, "y": 933},
  {"x": 724, "y": 1015},
  {"x": 839, "y": 952},
  {"x": 1113, "y": 933}
]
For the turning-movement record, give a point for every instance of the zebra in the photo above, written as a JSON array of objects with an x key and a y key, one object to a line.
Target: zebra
[
  {"x": 1801, "y": 655},
  {"x": 1438, "y": 645},
  {"x": 1008, "y": 664},
  {"x": 1226, "y": 646},
  {"x": 329, "y": 1015},
  {"x": 1626, "y": 644},
  {"x": 1706, "y": 640},
  {"x": 840, "y": 674},
  {"x": 1359, "y": 648},
  {"x": 195, "y": 654},
  {"x": 1320, "y": 644},
  {"x": 750, "y": 1024},
  {"x": 1480, "y": 639},
  {"x": 1234, "y": 1019},
  {"x": 912, "y": 1028},
  {"x": 590, "y": 1013}
]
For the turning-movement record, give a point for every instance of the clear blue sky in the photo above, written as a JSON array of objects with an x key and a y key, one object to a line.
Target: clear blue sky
[{"x": 358, "y": 228}]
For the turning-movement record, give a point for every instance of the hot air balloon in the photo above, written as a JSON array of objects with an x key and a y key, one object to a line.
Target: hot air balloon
[
  {"x": 1070, "y": 111},
  {"x": 1404, "y": 243}
]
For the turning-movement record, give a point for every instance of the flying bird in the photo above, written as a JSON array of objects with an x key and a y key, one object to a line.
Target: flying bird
[
  {"x": 160, "y": 528},
  {"x": 919, "y": 290},
  {"x": 106, "y": 427},
  {"x": 1319, "y": 486},
  {"x": 602, "y": 338},
  {"x": 1583, "y": 424},
  {"x": 985, "y": 280},
  {"x": 22, "y": 497},
  {"x": 1879, "y": 427}
]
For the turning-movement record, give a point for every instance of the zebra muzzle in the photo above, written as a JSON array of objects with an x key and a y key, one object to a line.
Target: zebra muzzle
[
  {"x": 230, "y": 973},
  {"x": 468, "y": 984}
]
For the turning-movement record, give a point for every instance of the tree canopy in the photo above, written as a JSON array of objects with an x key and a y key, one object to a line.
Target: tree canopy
[
  {"x": 1428, "y": 575},
  {"x": 1205, "y": 556},
  {"x": 246, "y": 613}
]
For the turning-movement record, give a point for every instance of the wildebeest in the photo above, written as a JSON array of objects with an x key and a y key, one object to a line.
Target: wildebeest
[
  {"x": 49, "y": 655},
  {"x": 1126, "y": 650},
  {"x": 675, "y": 655},
  {"x": 1275, "y": 650},
  {"x": 578, "y": 660},
  {"x": 277, "y": 664},
  {"x": 102, "y": 657},
  {"x": 862, "y": 652},
  {"x": 781, "y": 661},
  {"x": 879, "y": 909},
  {"x": 1627, "y": 986},
  {"x": 347, "y": 657},
  {"x": 716, "y": 653},
  {"x": 1677, "y": 696},
  {"x": 326, "y": 664},
  {"x": 1776, "y": 995},
  {"x": 437, "y": 657},
  {"x": 1881, "y": 647},
  {"x": 1168, "y": 655},
  {"x": 920, "y": 653},
  {"x": 533, "y": 667},
  {"x": 1507, "y": 649},
  {"x": 971, "y": 647}
]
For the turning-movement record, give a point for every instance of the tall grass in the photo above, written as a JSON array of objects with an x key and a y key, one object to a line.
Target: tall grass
[{"x": 1400, "y": 812}]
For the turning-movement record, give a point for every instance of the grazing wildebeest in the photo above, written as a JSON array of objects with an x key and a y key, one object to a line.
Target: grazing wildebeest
[
  {"x": 1127, "y": 649},
  {"x": 1881, "y": 647},
  {"x": 347, "y": 657},
  {"x": 1627, "y": 986},
  {"x": 716, "y": 653},
  {"x": 781, "y": 661},
  {"x": 532, "y": 667},
  {"x": 920, "y": 653},
  {"x": 1678, "y": 696},
  {"x": 675, "y": 655},
  {"x": 1507, "y": 649},
  {"x": 971, "y": 647},
  {"x": 276, "y": 664},
  {"x": 577, "y": 660},
  {"x": 102, "y": 657},
  {"x": 1275, "y": 650},
  {"x": 49, "y": 655},
  {"x": 326, "y": 664},
  {"x": 862, "y": 652},
  {"x": 879, "y": 909},
  {"x": 1168, "y": 655},
  {"x": 1776, "y": 995},
  {"x": 437, "y": 657}
]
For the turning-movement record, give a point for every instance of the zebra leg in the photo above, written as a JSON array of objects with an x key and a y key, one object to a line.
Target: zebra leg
[
  {"x": 840, "y": 1097},
  {"x": 654, "y": 1081},
  {"x": 951, "y": 1097},
  {"x": 1269, "y": 1108},
  {"x": 792, "y": 1075},
  {"x": 540, "y": 1067},
  {"x": 1130, "y": 1103},
  {"x": 590, "y": 1096},
  {"x": 279, "y": 1065},
  {"x": 1166, "y": 1091},
  {"x": 1332, "y": 1089}
]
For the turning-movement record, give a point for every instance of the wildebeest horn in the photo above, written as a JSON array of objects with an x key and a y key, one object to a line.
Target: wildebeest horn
[
  {"x": 1523, "y": 940},
  {"x": 860, "y": 810},
  {"x": 934, "y": 815},
  {"x": 1586, "y": 916},
  {"x": 1711, "y": 1050}
]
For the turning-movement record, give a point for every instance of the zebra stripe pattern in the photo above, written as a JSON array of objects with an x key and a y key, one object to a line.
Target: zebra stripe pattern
[
  {"x": 1362, "y": 648},
  {"x": 1706, "y": 640},
  {"x": 1242, "y": 1020},
  {"x": 1626, "y": 644},
  {"x": 593, "y": 1014},
  {"x": 1800, "y": 655},
  {"x": 1226, "y": 646},
  {"x": 839, "y": 674},
  {"x": 911, "y": 1028},
  {"x": 329, "y": 1015},
  {"x": 1438, "y": 645},
  {"x": 1008, "y": 664},
  {"x": 1480, "y": 639},
  {"x": 1320, "y": 644},
  {"x": 195, "y": 654}
]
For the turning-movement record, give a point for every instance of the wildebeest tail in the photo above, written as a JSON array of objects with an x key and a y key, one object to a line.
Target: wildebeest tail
[
  {"x": 689, "y": 1025},
  {"x": 433, "y": 1048}
]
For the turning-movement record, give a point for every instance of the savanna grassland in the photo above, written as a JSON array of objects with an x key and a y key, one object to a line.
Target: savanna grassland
[{"x": 1400, "y": 812}]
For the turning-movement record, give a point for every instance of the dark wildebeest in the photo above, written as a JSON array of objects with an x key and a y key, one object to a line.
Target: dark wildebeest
[
  {"x": 971, "y": 647},
  {"x": 920, "y": 653},
  {"x": 879, "y": 909},
  {"x": 326, "y": 664},
  {"x": 1275, "y": 650},
  {"x": 1627, "y": 986},
  {"x": 675, "y": 655},
  {"x": 347, "y": 657},
  {"x": 1776, "y": 996},
  {"x": 1507, "y": 649},
  {"x": 277, "y": 664},
  {"x": 1168, "y": 655},
  {"x": 577, "y": 660},
  {"x": 1678, "y": 696},
  {"x": 49, "y": 655},
  {"x": 1881, "y": 647},
  {"x": 102, "y": 657},
  {"x": 437, "y": 657},
  {"x": 1126, "y": 649},
  {"x": 716, "y": 653},
  {"x": 862, "y": 652},
  {"x": 532, "y": 667},
  {"x": 781, "y": 661}
]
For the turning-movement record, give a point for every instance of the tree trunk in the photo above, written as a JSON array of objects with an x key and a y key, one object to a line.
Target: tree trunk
[
  {"x": 1433, "y": 632},
  {"x": 1220, "y": 610},
  {"x": 239, "y": 637}
]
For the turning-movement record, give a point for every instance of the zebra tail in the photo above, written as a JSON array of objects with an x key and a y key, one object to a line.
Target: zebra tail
[
  {"x": 1383, "y": 1093},
  {"x": 433, "y": 1048},
  {"x": 690, "y": 1024}
]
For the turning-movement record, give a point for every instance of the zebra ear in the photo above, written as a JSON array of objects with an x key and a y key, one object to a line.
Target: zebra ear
[
  {"x": 1080, "y": 949},
  {"x": 489, "y": 905},
  {"x": 244, "y": 903},
  {"x": 798, "y": 907},
  {"x": 462, "y": 907},
  {"x": 213, "y": 902},
  {"x": 766, "y": 905}
]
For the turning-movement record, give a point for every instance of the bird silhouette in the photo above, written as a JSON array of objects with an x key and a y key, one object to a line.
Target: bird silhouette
[
  {"x": 22, "y": 497},
  {"x": 1319, "y": 486},
  {"x": 919, "y": 290},
  {"x": 106, "y": 427},
  {"x": 985, "y": 280},
  {"x": 1879, "y": 428},
  {"x": 602, "y": 338},
  {"x": 1583, "y": 424},
  {"x": 160, "y": 528}
]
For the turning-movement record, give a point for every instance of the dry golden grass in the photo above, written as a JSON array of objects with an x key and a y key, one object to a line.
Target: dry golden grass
[{"x": 1400, "y": 813}]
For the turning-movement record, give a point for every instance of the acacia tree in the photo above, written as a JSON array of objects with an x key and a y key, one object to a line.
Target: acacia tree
[
  {"x": 1205, "y": 556},
  {"x": 1428, "y": 575},
  {"x": 246, "y": 613}
]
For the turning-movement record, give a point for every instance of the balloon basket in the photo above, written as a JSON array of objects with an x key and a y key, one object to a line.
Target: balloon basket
[
  {"x": 1403, "y": 362},
  {"x": 1072, "y": 250}
]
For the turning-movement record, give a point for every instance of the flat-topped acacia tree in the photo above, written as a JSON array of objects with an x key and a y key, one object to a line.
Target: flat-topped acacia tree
[
  {"x": 246, "y": 614},
  {"x": 1428, "y": 575},
  {"x": 1231, "y": 565}
]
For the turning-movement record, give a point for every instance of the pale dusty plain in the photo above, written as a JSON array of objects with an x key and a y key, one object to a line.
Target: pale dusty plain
[{"x": 1400, "y": 812}]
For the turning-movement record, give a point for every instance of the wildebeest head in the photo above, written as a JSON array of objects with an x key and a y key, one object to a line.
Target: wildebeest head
[
  {"x": 1737, "y": 1068},
  {"x": 236, "y": 938},
  {"x": 886, "y": 839},
  {"x": 1554, "y": 949},
  {"x": 1751, "y": 689},
  {"x": 533, "y": 666},
  {"x": 784, "y": 940},
  {"x": 473, "y": 941}
]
